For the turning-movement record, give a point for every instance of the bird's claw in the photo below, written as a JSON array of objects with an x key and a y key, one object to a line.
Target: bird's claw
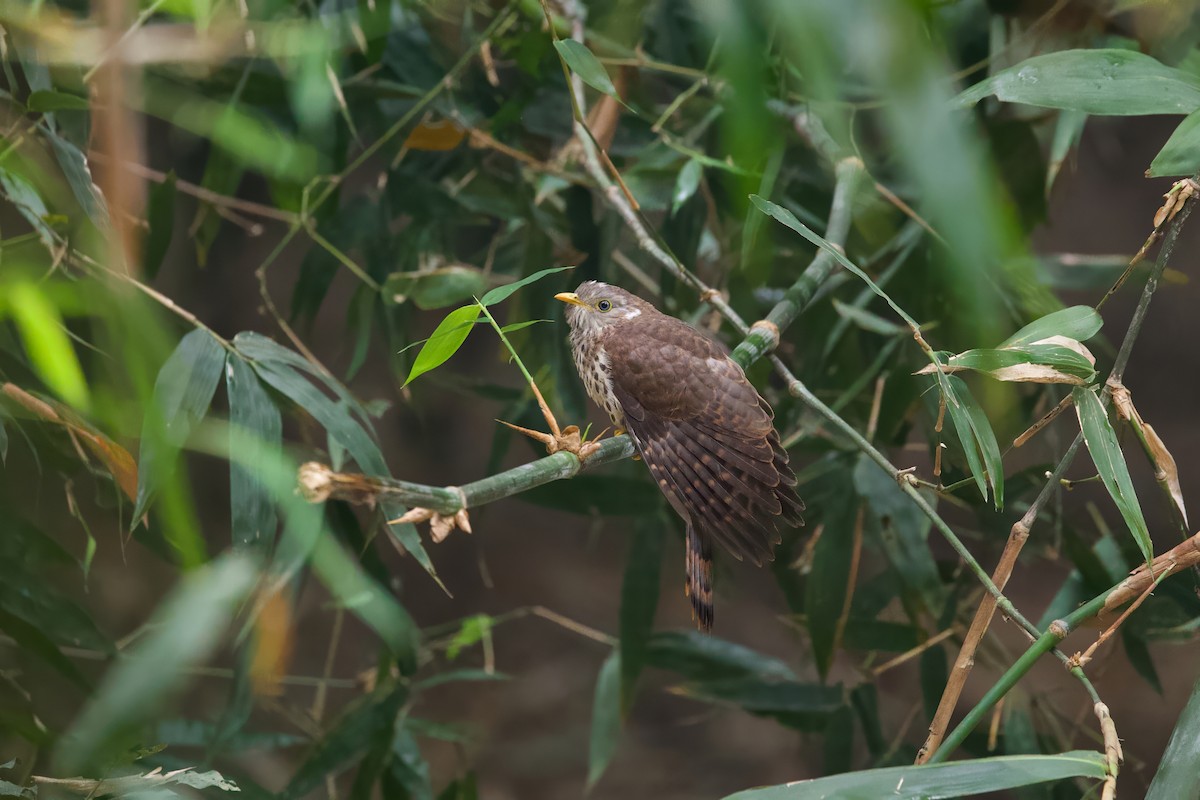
[{"x": 568, "y": 439}]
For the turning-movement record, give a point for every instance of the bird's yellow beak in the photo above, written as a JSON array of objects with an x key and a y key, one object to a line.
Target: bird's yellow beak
[{"x": 570, "y": 297}]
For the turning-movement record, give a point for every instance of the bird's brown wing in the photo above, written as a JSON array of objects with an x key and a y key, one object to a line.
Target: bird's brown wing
[{"x": 707, "y": 437}]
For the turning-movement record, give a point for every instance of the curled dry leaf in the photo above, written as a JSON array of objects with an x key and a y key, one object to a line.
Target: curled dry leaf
[
  {"x": 318, "y": 483},
  {"x": 1023, "y": 371},
  {"x": 1176, "y": 197},
  {"x": 116, "y": 459},
  {"x": 1165, "y": 470},
  {"x": 440, "y": 525}
]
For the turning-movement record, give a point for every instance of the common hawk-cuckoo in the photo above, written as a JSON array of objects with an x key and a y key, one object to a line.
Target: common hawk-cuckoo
[{"x": 703, "y": 430}]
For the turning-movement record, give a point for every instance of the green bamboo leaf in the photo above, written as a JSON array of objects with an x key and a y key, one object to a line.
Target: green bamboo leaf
[
  {"x": 46, "y": 342},
  {"x": 516, "y": 326},
  {"x": 160, "y": 217},
  {"x": 976, "y": 436},
  {"x": 903, "y": 532},
  {"x": 182, "y": 634},
  {"x": 761, "y": 695},
  {"x": 408, "y": 769},
  {"x": 501, "y": 293},
  {"x": 866, "y": 320},
  {"x": 437, "y": 288},
  {"x": 686, "y": 184},
  {"x": 1110, "y": 463},
  {"x": 1181, "y": 154},
  {"x": 1077, "y": 322},
  {"x": 606, "y": 717},
  {"x": 42, "y": 101},
  {"x": 364, "y": 721},
  {"x": 588, "y": 494},
  {"x": 447, "y": 337},
  {"x": 1140, "y": 659},
  {"x": 459, "y": 676},
  {"x": 1044, "y": 362},
  {"x": 586, "y": 66},
  {"x": 1068, "y": 130},
  {"x": 825, "y": 591},
  {"x": 1176, "y": 775},
  {"x": 878, "y": 634},
  {"x": 31, "y": 639},
  {"x": 699, "y": 657},
  {"x": 787, "y": 218},
  {"x": 182, "y": 392},
  {"x": 79, "y": 177},
  {"x": 28, "y": 202},
  {"x": 977, "y": 776},
  {"x": 251, "y": 411},
  {"x": 639, "y": 602},
  {"x": 1102, "y": 82}
]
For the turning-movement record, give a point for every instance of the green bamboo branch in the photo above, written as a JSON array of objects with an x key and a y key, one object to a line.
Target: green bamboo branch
[
  {"x": 320, "y": 484},
  {"x": 764, "y": 334}
]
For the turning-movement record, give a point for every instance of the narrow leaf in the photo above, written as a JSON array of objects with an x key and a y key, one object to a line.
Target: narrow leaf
[
  {"x": 1176, "y": 776},
  {"x": 1113, "y": 82},
  {"x": 182, "y": 393},
  {"x": 977, "y": 776},
  {"x": 447, "y": 337},
  {"x": 1077, "y": 322},
  {"x": 606, "y": 717},
  {"x": 43, "y": 101},
  {"x": 251, "y": 411},
  {"x": 46, "y": 342},
  {"x": 501, "y": 293},
  {"x": 160, "y": 216},
  {"x": 976, "y": 436},
  {"x": 639, "y": 602},
  {"x": 182, "y": 634},
  {"x": 1110, "y": 463},
  {"x": 1181, "y": 154},
  {"x": 825, "y": 592},
  {"x": 686, "y": 184},
  {"x": 586, "y": 66},
  {"x": 699, "y": 657}
]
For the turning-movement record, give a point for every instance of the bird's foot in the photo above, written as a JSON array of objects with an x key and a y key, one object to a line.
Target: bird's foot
[
  {"x": 558, "y": 439},
  {"x": 568, "y": 439}
]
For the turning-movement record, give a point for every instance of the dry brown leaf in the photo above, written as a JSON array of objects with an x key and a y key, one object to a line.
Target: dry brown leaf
[
  {"x": 443, "y": 135},
  {"x": 273, "y": 642},
  {"x": 116, "y": 459},
  {"x": 1165, "y": 469}
]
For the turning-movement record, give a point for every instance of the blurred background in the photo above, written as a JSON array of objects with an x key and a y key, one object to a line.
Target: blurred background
[{"x": 228, "y": 229}]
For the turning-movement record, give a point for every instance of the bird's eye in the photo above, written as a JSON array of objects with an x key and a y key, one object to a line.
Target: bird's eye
[{"x": 604, "y": 305}]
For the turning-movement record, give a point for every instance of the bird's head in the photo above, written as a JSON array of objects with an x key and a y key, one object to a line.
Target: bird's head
[{"x": 595, "y": 306}]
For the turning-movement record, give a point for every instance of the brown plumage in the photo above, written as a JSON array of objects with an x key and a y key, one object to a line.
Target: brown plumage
[{"x": 700, "y": 426}]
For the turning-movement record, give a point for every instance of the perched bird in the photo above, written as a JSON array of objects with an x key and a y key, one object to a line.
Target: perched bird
[{"x": 703, "y": 430}]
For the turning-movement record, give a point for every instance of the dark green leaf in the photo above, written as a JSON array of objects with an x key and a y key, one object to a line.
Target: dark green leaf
[
  {"x": 251, "y": 411},
  {"x": 1110, "y": 463},
  {"x": 591, "y": 494},
  {"x": 25, "y": 198},
  {"x": 976, "y": 437},
  {"x": 362, "y": 723},
  {"x": 829, "y": 580},
  {"x": 686, "y": 184},
  {"x": 698, "y": 657},
  {"x": 1077, "y": 322},
  {"x": 639, "y": 602},
  {"x": 586, "y": 66},
  {"x": 839, "y": 742},
  {"x": 1056, "y": 364},
  {"x": 459, "y": 675},
  {"x": 502, "y": 293},
  {"x": 767, "y": 695},
  {"x": 1139, "y": 656},
  {"x": 877, "y": 634},
  {"x": 408, "y": 768},
  {"x": 606, "y": 717},
  {"x": 184, "y": 631},
  {"x": 445, "y": 340},
  {"x": 40, "y": 102},
  {"x": 33, "y": 640},
  {"x": 437, "y": 288},
  {"x": 160, "y": 217},
  {"x": 1176, "y": 776},
  {"x": 79, "y": 177},
  {"x": 1119, "y": 82},
  {"x": 977, "y": 776},
  {"x": 182, "y": 392},
  {"x": 934, "y": 676}
]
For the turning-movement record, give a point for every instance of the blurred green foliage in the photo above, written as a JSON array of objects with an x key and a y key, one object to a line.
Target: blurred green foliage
[{"x": 420, "y": 155}]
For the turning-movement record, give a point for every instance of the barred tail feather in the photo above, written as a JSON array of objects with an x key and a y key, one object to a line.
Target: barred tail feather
[{"x": 699, "y": 578}]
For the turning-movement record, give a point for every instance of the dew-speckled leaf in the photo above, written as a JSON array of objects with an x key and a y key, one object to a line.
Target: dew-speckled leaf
[
  {"x": 639, "y": 602},
  {"x": 606, "y": 717},
  {"x": 182, "y": 393},
  {"x": 251, "y": 411},
  {"x": 933, "y": 781},
  {"x": 1106, "y": 454},
  {"x": 584, "y": 64},
  {"x": 1101, "y": 82},
  {"x": 501, "y": 293},
  {"x": 184, "y": 631}
]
